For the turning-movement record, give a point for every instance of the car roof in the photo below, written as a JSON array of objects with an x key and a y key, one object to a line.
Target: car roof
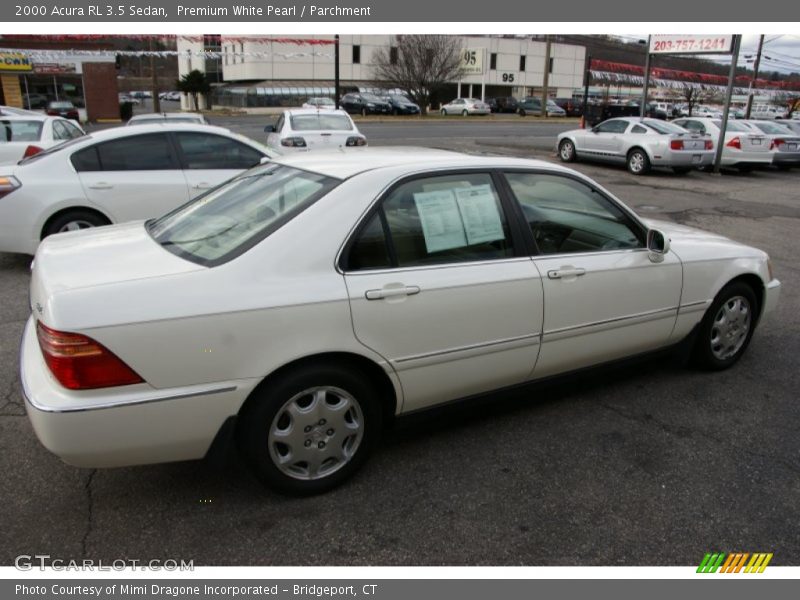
[
  {"x": 31, "y": 117},
  {"x": 116, "y": 132},
  {"x": 313, "y": 111},
  {"x": 166, "y": 116},
  {"x": 344, "y": 163}
]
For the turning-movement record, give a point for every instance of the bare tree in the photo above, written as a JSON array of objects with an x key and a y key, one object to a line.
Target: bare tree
[
  {"x": 694, "y": 96},
  {"x": 419, "y": 64}
]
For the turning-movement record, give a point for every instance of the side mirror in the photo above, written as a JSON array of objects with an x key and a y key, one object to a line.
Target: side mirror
[
  {"x": 269, "y": 129},
  {"x": 264, "y": 160},
  {"x": 657, "y": 244},
  {"x": 594, "y": 129}
]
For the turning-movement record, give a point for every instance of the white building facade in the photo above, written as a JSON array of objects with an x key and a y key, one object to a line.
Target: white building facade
[{"x": 262, "y": 71}]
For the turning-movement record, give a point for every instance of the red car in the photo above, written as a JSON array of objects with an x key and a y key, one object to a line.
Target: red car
[{"x": 62, "y": 108}]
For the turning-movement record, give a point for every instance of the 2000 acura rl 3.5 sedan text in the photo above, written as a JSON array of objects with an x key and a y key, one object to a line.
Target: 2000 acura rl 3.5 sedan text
[{"x": 308, "y": 301}]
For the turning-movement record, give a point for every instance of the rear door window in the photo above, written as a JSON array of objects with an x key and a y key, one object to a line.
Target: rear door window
[
  {"x": 210, "y": 151},
  {"x": 148, "y": 152}
]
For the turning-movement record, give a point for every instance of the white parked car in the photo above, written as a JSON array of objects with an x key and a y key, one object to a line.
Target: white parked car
[
  {"x": 641, "y": 144},
  {"x": 706, "y": 112},
  {"x": 307, "y": 302},
  {"x": 304, "y": 129},
  {"x": 783, "y": 140},
  {"x": 23, "y": 136},
  {"x": 744, "y": 148},
  {"x": 170, "y": 117},
  {"x": 14, "y": 111},
  {"x": 466, "y": 106},
  {"x": 116, "y": 175}
]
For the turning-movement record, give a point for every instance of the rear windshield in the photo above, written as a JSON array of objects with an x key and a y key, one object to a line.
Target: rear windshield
[
  {"x": 53, "y": 149},
  {"x": 664, "y": 127},
  {"x": 321, "y": 121},
  {"x": 773, "y": 128},
  {"x": 150, "y": 120},
  {"x": 62, "y": 105},
  {"x": 235, "y": 216},
  {"x": 20, "y": 131},
  {"x": 733, "y": 126}
]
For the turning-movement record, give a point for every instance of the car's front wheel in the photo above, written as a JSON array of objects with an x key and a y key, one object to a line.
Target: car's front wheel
[
  {"x": 309, "y": 430},
  {"x": 464, "y": 113},
  {"x": 74, "y": 220},
  {"x": 566, "y": 151},
  {"x": 727, "y": 327}
]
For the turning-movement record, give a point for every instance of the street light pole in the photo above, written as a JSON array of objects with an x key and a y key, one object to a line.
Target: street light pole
[
  {"x": 586, "y": 77},
  {"x": 723, "y": 126},
  {"x": 336, "y": 71},
  {"x": 546, "y": 80}
]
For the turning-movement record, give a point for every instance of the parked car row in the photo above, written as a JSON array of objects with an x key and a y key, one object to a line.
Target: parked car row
[{"x": 683, "y": 144}]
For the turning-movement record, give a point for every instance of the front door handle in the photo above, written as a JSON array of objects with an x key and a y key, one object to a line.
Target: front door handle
[
  {"x": 565, "y": 272},
  {"x": 408, "y": 290},
  {"x": 101, "y": 185},
  {"x": 201, "y": 186}
]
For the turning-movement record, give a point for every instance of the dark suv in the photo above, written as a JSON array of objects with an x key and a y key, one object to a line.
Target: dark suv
[
  {"x": 573, "y": 108},
  {"x": 503, "y": 104},
  {"x": 365, "y": 104}
]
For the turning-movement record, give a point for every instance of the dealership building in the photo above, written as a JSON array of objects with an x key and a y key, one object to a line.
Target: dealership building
[
  {"x": 262, "y": 71},
  {"x": 35, "y": 70}
]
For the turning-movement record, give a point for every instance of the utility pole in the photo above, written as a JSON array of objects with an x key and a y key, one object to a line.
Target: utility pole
[
  {"x": 587, "y": 75},
  {"x": 154, "y": 77},
  {"x": 546, "y": 80},
  {"x": 336, "y": 71},
  {"x": 755, "y": 76},
  {"x": 646, "y": 86}
]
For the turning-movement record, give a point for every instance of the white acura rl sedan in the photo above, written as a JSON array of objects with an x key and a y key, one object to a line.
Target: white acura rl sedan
[{"x": 308, "y": 301}]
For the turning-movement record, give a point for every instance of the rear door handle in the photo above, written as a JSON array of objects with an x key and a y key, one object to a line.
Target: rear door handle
[
  {"x": 409, "y": 290},
  {"x": 559, "y": 273},
  {"x": 101, "y": 185}
]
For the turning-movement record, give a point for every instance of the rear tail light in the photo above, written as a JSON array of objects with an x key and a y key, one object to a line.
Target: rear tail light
[
  {"x": 709, "y": 145},
  {"x": 32, "y": 150},
  {"x": 53, "y": 112},
  {"x": 355, "y": 141},
  {"x": 8, "y": 185},
  {"x": 293, "y": 142},
  {"x": 676, "y": 145},
  {"x": 776, "y": 142},
  {"x": 735, "y": 143},
  {"x": 80, "y": 363}
]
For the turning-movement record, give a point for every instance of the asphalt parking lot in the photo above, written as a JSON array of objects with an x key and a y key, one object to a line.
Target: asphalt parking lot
[{"x": 647, "y": 464}]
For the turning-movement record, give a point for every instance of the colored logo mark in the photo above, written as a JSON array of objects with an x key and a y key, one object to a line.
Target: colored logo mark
[{"x": 734, "y": 562}]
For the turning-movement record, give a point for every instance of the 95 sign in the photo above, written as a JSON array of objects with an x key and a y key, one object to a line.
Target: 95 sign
[
  {"x": 472, "y": 61},
  {"x": 691, "y": 44}
]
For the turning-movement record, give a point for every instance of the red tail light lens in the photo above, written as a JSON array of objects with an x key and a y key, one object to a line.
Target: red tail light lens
[
  {"x": 776, "y": 142},
  {"x": 80, "y": 363},
  {"x": 709, "y": 145},
  {"x": 735, "y": 143},
  {"x": 32, "y": 150},
  {"x": 676, "y": 145}
]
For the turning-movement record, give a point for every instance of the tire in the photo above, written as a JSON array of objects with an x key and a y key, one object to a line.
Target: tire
[
  {"x": 521, "y": 112},
  {"x": 364, "y": 112},
  {"x": 783, "y": 167},
  {"x": 74, "y": 220},
  {"x": 340, "y": 417},
  {"x": 566, "y": 151},
  {"x": 681, "y": 170},
  {"x": 444, "y": 113},
  {"x": 726, "y": 328},
  {"x": 464, "y": 113},
  {"x": 638, "y": 163}
]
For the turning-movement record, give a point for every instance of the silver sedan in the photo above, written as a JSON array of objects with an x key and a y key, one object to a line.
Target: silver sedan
[{"x": 638, "y": 143}]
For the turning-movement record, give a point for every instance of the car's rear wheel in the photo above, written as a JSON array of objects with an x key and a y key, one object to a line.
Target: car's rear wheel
[
  {"x": 444, "y": 113},
  {"x": 521, "y": 112},
  {"x": 74, "y": 220},
  {"x": 566, "y": 151},
  {"x": 638, "y": 163},
  {"x": 727, "y": 327},
  {"x": 311, "y": 429}
]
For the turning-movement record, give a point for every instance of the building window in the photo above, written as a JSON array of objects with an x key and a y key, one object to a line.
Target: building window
[
  {"x": 522, "y": 63},
  {"x": 393, "y": 55},
  {"x": 493, "y": 61},
  {"x": 213, "y": 66},
  {"x": 356, "y": 55}
]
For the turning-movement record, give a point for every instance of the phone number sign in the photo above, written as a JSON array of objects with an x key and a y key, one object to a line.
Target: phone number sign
[{"x": 691, "y": 44}]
